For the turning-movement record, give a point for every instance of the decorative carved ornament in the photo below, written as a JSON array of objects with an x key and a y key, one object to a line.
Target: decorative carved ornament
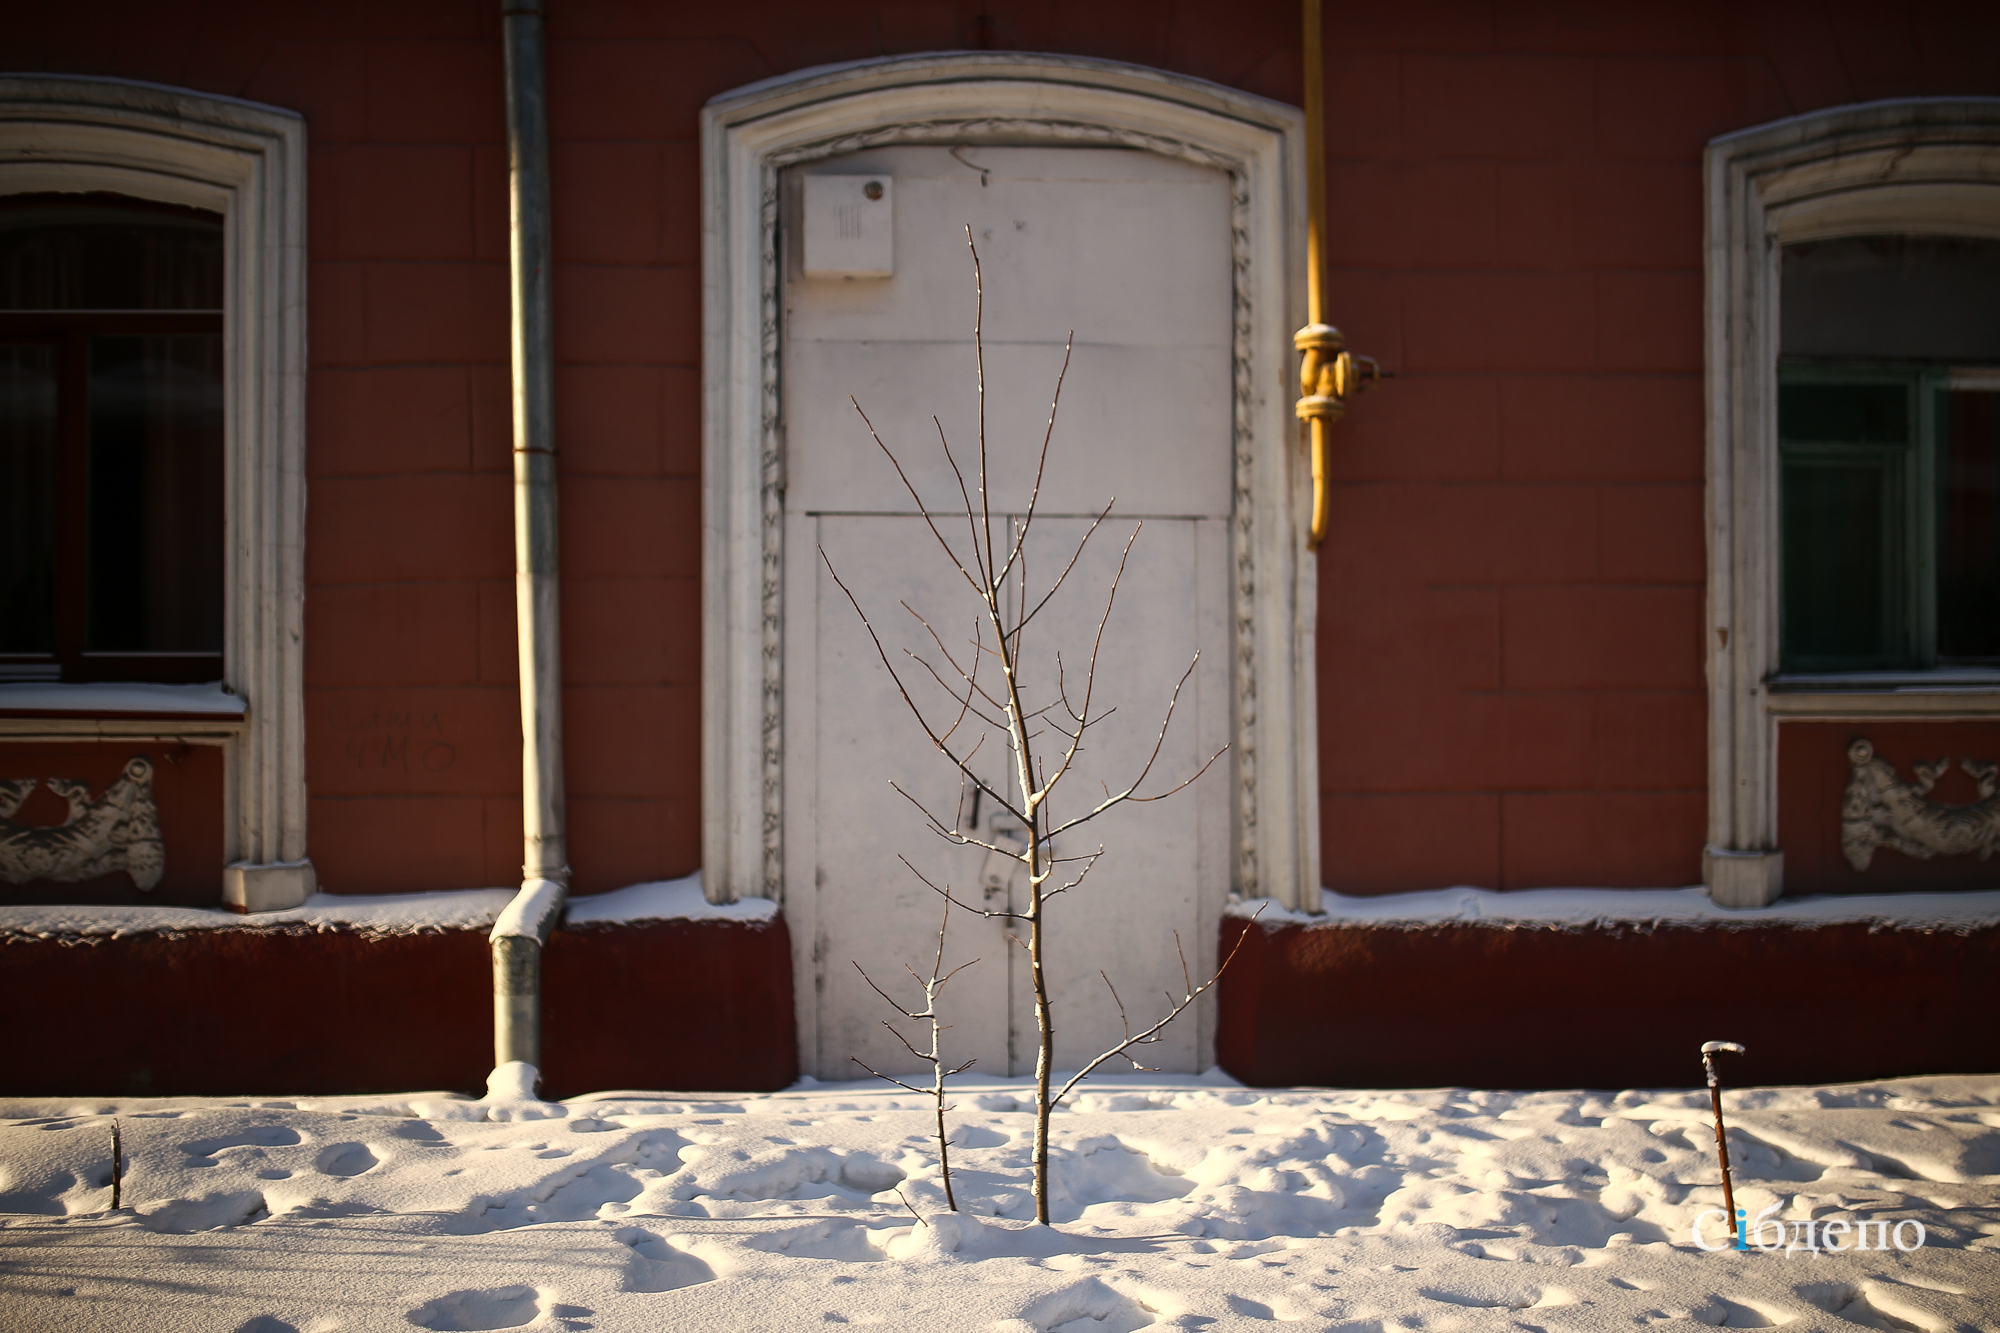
[
  {"x": 1883, "y": 811},
  {"x": 120, "y": 830}
]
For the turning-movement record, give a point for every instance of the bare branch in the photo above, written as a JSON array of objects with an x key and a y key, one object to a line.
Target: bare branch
[
  {"x": 1042, "y": 462},
  {"x": 954, "y": 972},
  {"x": 910, "y": 486},
  {"x": 890, "y": 1078},
  {"x": 971, "y": 678},
  {"x": 946, "y": 894},
  {"x": 1150, "y": 1033},
  {"x": 880, "y": 652},
  {"x": 1159, "y": 741},
  {"x": 898, "y": 1034},
  {"x": 950, "y": 834},
  {"x": 1187, "y": 782},
  {"x": 1090, "y": 674},
  {"x": 893, "y": 1004},
  {"x": 965, "y": 704},
  {"x": 1074, "y": 556},
  {"x": 1123, "y": 1022},
  {"x": 1088, "y": 862},
  {"x": 972, "y": 527}
]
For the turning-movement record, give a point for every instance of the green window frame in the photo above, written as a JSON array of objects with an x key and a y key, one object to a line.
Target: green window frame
[{"x": 1866, "y": 464}]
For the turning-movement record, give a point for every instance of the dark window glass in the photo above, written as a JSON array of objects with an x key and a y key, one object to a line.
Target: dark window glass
[
  {"x": 155, "y": 554},
  {"x": 111, "y": 440},
  {"x": 1889, "y": 467},
  {"x": 1893, "y": 298},
  {"x": 1843, "y": 413},
  {"x": 1846, "y": 486},
  {"x": 1841, "y": 607},
  {"x": 1968, "y": 614},
  {"x": 92, "y": 252},
  {"x": 27, "y": 498}
]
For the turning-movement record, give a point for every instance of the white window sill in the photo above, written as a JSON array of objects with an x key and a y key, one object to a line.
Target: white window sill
[
  {"x": 1944, "y": 678},
  {"x": 46, "y": 699},
  {"x": 1952, "y": 692}
]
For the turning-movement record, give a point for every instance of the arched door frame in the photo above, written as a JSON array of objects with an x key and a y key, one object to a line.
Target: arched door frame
[{"x": 748, "y": 137}]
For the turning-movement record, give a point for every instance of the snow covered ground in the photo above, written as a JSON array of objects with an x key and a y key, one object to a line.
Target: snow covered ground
[{"x": 1189, "y": 1203}]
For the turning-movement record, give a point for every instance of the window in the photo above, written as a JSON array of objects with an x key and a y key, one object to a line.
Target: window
[
  {"x": 1888, "y": 453},
  {"x": 111, "y": 440},
  {"x": 193, "y": 374},
  {"x": 1853, "y": 280}
]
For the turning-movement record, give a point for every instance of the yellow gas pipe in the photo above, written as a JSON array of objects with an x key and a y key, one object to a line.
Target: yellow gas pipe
[{"x": 1328, "y": 372}]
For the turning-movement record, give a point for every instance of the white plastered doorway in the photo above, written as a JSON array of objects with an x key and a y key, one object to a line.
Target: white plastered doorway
[{"x": 1225, "y": 560}]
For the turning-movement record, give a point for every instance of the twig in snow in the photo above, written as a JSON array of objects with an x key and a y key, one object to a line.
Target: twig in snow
[{"x": 933, "y": 986}]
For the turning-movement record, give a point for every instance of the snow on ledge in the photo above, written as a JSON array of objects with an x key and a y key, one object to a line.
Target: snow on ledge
[
  {"x": 665, "y": 900},
  {"x": 209, "y": 700},
  {"x": 1574, "y": 908},
  {"x": 386, "y": 914}
]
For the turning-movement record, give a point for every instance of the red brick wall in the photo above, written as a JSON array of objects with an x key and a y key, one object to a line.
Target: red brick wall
[
  {"x": 1363, "y": 1006},
  {"x": 1511, "y": 600},
  {"x": 698, "y": 1004},
  {"x": 1511, "y": 613}
]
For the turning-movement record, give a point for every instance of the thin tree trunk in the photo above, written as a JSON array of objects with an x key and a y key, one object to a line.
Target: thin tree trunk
[{"x": 1045, "y": 1028}]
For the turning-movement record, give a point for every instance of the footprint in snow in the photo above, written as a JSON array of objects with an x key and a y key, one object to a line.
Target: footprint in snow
[
  {"x": 1090, "y": 1306},
  {"x": 345, "y": 1159},
  {"x": 1497, "y": 1296},
  {"x": 658, "y": 1266},
  {"x": 1721, "y": 1312},
  {"x": 491, "y": 1308}
]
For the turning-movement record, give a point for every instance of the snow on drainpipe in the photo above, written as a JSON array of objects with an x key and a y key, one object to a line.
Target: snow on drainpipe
[{"x": 522, "y": 930}]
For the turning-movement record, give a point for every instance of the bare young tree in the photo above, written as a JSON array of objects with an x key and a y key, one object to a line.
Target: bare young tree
[
  {"x": 932, "y": 986},
  {"x": 984, "y": 682}
]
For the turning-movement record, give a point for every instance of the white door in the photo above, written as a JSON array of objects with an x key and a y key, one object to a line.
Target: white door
[{"x": 1132, "y": 251}]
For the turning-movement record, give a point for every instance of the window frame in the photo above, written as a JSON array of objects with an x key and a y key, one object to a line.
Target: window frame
[
  {"x": 245, "y": 161},
  {"x": 1911, "y": 467},
  {"x": 70, "y": 333},
  {"x": 1914, "y": 166}
]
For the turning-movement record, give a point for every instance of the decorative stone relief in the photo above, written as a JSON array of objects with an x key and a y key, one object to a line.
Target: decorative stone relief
[
  {"x": 1882, "y": 811},
  {"x": 120, "y": 830}
]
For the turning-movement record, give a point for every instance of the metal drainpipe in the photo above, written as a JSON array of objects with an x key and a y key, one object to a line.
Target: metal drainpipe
[{"x": 524, "y": 928}]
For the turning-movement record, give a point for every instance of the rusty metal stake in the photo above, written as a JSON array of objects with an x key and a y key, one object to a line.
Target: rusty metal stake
[{"x": 1708, "y": 1050}]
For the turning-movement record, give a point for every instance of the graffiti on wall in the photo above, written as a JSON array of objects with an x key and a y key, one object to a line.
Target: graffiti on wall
[{"x": 400, "y": 740}]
